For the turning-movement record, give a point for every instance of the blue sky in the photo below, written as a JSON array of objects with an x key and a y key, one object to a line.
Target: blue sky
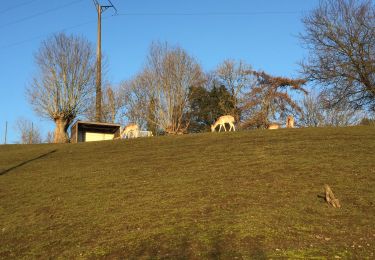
[{"x": 262, "y": 33}]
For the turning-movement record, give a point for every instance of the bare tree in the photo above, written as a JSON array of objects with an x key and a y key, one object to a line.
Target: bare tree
[
  {"x": 316, "y": 113},
  {"x": 137, "y": 94},
  {"x": 367, "y": 121},
  {"x": 340, "y": 37},
  {"x": 159, "y": 94},
  {"x": 237, "y": 77},
  {"x": 341, "y": 116},
  {"x": 311, "y": 114},
  {"x": 49, "y": 138},
  {"x": 111, "y": 106},
  {"x": 63, "y": 86},
  {"x": 29, "y": 133},
  {"x": 269, "y": 99}
]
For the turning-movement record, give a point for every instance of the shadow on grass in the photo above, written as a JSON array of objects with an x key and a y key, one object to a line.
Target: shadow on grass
[
  {"x": 188, "y": 246},
  {"x": 231, "y": 247},
  {"x": 26, "y": 162}
]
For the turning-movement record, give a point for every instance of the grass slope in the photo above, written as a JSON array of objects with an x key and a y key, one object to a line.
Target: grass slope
[{"x": 246, "y": 194}]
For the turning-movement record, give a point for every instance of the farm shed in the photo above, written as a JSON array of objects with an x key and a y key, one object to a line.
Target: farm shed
[{"x": 93, "y": 131}]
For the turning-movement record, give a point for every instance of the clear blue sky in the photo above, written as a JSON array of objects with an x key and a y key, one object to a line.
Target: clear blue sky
[{"x": 262, "y": 33}]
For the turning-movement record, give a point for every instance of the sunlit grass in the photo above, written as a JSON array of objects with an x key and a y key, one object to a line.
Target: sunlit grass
[{"x": 246, "y": 194}]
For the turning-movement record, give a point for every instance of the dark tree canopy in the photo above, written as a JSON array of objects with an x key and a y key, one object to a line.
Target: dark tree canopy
[
  {"x": 208, "y": 105},
  {"x": 340, "y": 37}
]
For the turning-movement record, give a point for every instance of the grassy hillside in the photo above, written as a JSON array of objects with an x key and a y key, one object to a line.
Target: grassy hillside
[{"x": 245, "y": 195}]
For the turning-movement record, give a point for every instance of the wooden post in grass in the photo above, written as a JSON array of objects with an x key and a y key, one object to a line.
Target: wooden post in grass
[{"x": 330, "y": 197}]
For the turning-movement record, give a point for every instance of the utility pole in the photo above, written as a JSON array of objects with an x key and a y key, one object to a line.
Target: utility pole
[
  {"x": 31, "y": 134},
  {"x": 98, "y": 105},
  {"x": 6, "y": 130}
]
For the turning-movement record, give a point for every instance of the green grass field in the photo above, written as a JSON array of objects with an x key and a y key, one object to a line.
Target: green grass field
[{"x": 245, "y": 195}]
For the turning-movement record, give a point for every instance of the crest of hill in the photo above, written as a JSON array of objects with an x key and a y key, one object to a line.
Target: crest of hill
[{"x": 242, "y": 194}]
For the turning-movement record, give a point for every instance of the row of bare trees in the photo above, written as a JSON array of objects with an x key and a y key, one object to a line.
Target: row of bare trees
[
  {"x": 29, "y": 133},
  {"x": 158, "y": 95},
  {"x": 316, "y": 113},
  {"x": 163, "y": 93},
  {"x": 172, "y": 94}
]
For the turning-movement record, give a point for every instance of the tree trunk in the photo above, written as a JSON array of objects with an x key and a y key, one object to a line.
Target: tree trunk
[{"x": 61, "y": 135}]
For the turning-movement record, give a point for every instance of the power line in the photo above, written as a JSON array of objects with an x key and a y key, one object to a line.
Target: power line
[
  {"x": 44, "y": 35},
  {"x": 211, "y": 13},
  {"x": 39, "y": 14},
  {"x": 16, "y": 6},
  {"x": 153, "y": 14}
]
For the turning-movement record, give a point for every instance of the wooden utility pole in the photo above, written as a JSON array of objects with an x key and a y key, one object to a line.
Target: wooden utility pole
[
  {"x": 31, "y": 134},
  {"x": 98, "y": 105},
  {"x": 6, "y": 132}
]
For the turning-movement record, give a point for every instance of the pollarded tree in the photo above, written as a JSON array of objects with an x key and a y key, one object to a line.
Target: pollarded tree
[
  {"x": 64, "y": 84},
  {"x": 340, "y": 37}
]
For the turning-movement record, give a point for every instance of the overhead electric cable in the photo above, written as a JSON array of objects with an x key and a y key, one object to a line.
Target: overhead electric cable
[
  {"x": 153, "y": 14},
  {"x": 39, "y": 14},
  {"x": 210, "y": 13},
  {"x": 44, "y": 35},
  {"x": 16, "y": 6}
]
